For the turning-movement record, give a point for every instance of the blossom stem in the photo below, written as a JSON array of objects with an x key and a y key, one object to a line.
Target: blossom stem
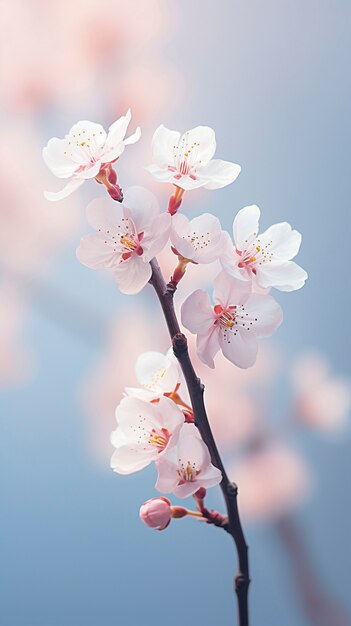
[{"x": 165, "y": 295}]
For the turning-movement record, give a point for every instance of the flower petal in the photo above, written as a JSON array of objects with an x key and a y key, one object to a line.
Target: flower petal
[
  {"x": 163, "y": 143},
  {"x": 157, "y": 236},
  {"x": 85, "y": 130},
  {"x": 200, "y": 140},
  {"x": 157, "y": 372},
  {"x": 142, "y": 204},
  {"x": 238, "y": 347},
  {"x": 132, "y": 275},
  {"x": 95, "y": 252},
  {"x": 126, "y": 459},
  {"x": 118, "y": 129},
  {"x": 55, "y": 157},
  {"x": 71, "y": 186},
  {"x": 246, "y": 226},
  {"x": 207, "y": 346},
  {"x": 217, "y": 173},
  {"x": 266, "y": 311},
  {"x": 285, "y": 241},
  {"x": 228, "y": 290},
  {"x": 286, "y": 276},
  {"x": 104, "y": 214},
  {"x": 196, "y": 313}
]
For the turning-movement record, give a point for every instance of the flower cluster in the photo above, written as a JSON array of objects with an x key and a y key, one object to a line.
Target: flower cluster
[{"x": 154, "y": 424}]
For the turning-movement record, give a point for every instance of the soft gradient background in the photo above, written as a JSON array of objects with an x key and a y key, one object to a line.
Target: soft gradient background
[{"x": 273, "y": 79}]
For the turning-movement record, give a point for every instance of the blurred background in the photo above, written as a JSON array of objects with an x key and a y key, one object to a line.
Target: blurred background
[{"x": 273, "y": 79}]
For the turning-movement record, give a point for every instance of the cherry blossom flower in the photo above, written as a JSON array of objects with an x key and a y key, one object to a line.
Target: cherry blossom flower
[
  {"x": 128, "y": 236},
  {"x": 234, "y": 324},
  {"x": 272, "y": 481},
  {"x": 198, "y": 240},
  {"x": 266, "y": 258},
  {"x": 87, "y": 152},
  {"x": 322, "y": 400},
  {"x": 145, "y": 431},
  {"x": 157, "y": 373},
  {"x": 189, "y": 469},
  {"x": 186, "y": 161},
  {"x": 156, "y": 513}
]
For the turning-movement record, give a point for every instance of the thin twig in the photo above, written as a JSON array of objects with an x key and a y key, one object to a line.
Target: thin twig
[{"x": 196, "y": 391}]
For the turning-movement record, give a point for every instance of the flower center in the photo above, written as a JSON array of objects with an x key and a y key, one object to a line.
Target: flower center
[
  {"x": 226, "y": 317},
  {"x": 185, "y": 156},
  {"x": 159, "y": 438},
  {"x": 254, "y": 254},
  {"x": 130, "y": 245},
  {"x": 187, "y": 472}
]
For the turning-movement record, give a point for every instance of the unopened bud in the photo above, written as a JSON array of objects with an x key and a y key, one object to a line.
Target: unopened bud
[{"x": 156, "y": 513}]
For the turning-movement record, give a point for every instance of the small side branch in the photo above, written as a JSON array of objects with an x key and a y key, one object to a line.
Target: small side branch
[{"x": 196, "y": 391}]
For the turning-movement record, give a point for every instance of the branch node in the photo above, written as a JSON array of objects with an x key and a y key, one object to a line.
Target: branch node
[
  {"x": 232, "y": 490},
  {"x": 180, "y": 344}
]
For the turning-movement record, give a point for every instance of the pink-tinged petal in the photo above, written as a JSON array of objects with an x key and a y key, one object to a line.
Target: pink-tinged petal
[
  {"x": 201, "y": 141},
  {"x": 126, "y": 459},
  {"x": 134, "y": 137},
  {"x": 187, "y": 489},
  {"x": 197, "y": 314},
  {"x": 187, "y": 182},
  {"x": 71, "y": 186},
  {"x": 179, "y": 230},
  {"x": 210, "y": 477},
  {"x": 286, "y": 276},
  {"x": 118, "y": 129},
  {"x": 142, "y": 394},
  {"x": 113, "y": 153},
  {"x": 172, "y": 418},
  {"x": 95, "y": 252},
  {"x": 142, "y": 204},
  {"x": 104, "y": 214},
  {"x": 90, "y": 172},
  {"x": 265, "y": 313},
  {"x": 156, "y": 371},
  {"x": 163, "y": 143},
  {"x": 239, "y": 347},
  {"x": 88, "y": 132},
  {"x": 132, "y": 275},
  {"x": 132, "y": 413},
  {"x": 229, "y": 258},
  {"x": 246, "y": 225},
  {"x": 217, "y": 174},
  {"x": 285, "y": 241},
  {"x": 207, "y": 346},
  {"x": 161, "y": 173},
  {"x": 167, "y": 477},
  {"x": 157, "y": 236},
  {"x": 192, "y": 449},
  {"x": 57, "y": 160},
  {"x": 228, "y": 290},
  {"x": 205, "y": 232}
]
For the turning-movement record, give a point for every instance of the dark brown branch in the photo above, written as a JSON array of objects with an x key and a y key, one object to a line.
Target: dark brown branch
[{"x": 196, "y": 391}]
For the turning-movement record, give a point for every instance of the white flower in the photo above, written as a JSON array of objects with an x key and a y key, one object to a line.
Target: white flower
[
  {"x": 190, "y": 468},
  {"x": 145, "y": 431},
  {"x": 234, "y": 324},
  {"x": 186, "y": 161},
  {"x": 128, "y": 236},
  {"x": 198, "y": 240},
  {"x": 265, "y": 259},
  {"x": 157, "y": 373},
  {"x": 87, "y": 152}
]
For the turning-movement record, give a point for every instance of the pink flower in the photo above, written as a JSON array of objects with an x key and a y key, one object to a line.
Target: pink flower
[
  {"x": 157, "y": 373},
  {"x": 156, "y": 513},
  {"x": 272, "y": 481},
  {"x": 238, "y": 319},
  {"x": 266, "y": 258},
  {"x": 322, "y": 400},
  {"x": 186, "y": 161},
  {"x": 128, "y": 236},
  {"x": 189, "y": 468},
  {"x": 145, "y": 431},
  {"x": 87, "y": 152},
  {"x": 199, "y": 239}
]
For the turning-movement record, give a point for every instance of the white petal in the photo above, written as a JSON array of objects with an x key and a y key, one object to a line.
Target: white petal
[
  {"x": 71, "y": 186},
  {"x": 239, "y": 348},
  {"x": 286, "y": 276},
  {"x": 156, "y": 372},
  {"x": 210, "y": 477},
  {"x": 134, "y": 137},
  {"x": 118, "y": 129},
  {"x": 179, "y": 230},
  {"x": 163, "y": 143},
  {"x": 266, "y": 311},
  {"x": 206, "y": 233},
  {"x": 90, "y": 172},
  {"x": 167, "y": 477},
  {"x": 132, "y": 275},
  {"x": 228, "y": 290},
  {"x": 84, "y": 130},
  {"x": 196, "y": 313},
  {"x": 56, "y": 159},
  {"x": 126, "y": 459},
  {"x": 157, "y": 236},
  {"x": 161, "y": 173},
  {"x": 104, "y": 214},
  {"x": 217, "y": 174},
  {"x": 172, "y": 416},
  {"x": 207, "y": 346},
  {"x": 246, "y": 225},
  {"x": 96, "y": 252},
  {"x": 191, "y": 449},
  {"x": 285, "y": 241},
  {"x": 201, "y": 141},
  {"x": 142, "y": 204}
]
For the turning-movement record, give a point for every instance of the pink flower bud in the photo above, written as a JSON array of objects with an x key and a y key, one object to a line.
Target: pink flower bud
[{"x": 156, "y": 513}]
